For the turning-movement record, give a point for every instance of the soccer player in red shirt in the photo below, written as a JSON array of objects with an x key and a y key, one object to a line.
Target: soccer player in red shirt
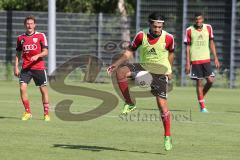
[
  {"x": 32, "y": 47},
  {"x": 199, "y": 41},
  {"x": 156, "y": 48}
]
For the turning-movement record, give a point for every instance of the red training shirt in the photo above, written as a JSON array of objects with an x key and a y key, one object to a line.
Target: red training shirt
[{"x": 29, "y": 46}]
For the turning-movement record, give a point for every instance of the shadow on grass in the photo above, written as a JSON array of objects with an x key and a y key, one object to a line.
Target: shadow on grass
[
  {"x": 4, "y": 117},
  {"x": 98, "y": 149},
  {"x": 233, "y": 111},
  {"x": 19, "y": 118}
]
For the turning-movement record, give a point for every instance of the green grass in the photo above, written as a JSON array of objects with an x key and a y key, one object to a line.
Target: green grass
[{"x": 196, "y": 136}]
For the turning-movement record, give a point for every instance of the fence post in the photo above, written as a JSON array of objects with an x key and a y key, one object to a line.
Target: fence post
[
  {"x": 52, "y": 36},
  {"x": 232, "y": 49},
  {"x": 184, "y": 26},
  {"x": 8, "y": 57},
  {"x": 100, "y": 25},
  {"x": 138, "y": 22}
]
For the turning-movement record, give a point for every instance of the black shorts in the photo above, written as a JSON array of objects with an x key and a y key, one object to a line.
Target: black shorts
[
  {"x": 159, "y": 83},
  {"x": 201, "y": 71},
  {"x": 38, "y": 76}
]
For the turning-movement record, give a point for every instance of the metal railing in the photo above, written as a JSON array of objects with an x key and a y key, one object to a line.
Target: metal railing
[
  {"x": 76, "y": 34},
  {"x": 100, "y": 34}
]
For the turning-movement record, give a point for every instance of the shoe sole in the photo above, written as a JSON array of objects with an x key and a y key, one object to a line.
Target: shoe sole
[
  {"x": 168, "y": 149},
  {"x": 27, "y": 118},
  {"x": 131, "y": 110},
  {"x": 204, "y": 111}
]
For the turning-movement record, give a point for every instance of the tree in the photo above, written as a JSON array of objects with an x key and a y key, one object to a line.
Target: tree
[
  {"x": 72, "y": 6},
  {"x": 26, "y": 5},
  {"x": 124, "y": 20}
]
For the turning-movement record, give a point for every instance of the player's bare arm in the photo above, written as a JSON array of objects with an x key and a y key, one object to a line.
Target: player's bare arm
[
  {"x": 40, "y": 55},
  {"x": 213, "y": 51},
  {"x": 187, "y": 66},
  {"x": 171, "y": 58},
  {"x": 16, "y": 69},
  {"x": 126, "y": 55}
]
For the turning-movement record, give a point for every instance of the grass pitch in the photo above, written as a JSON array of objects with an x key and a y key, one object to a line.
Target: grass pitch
[{"x": 196, "y": 136}]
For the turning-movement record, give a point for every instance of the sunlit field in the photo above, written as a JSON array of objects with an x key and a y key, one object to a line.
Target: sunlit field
[{"x": 196, "y": 136}]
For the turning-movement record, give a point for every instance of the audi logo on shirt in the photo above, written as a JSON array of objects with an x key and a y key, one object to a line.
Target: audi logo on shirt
[{"x": 29, "y": 47}]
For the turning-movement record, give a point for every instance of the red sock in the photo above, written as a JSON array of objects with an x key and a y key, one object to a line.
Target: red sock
[
  {"x": 46, "y": 108},
  {"x": 166, "y": 118},
  {"x": 123, "y": 85},
  {"x": 26, "y": 106},
  {"x": 201, "y": 102}
]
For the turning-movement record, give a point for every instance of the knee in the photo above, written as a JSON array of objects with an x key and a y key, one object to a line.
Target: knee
[
  {"x": 43, "y": 90},
  {"x": 162, "y": 104},
  {"x": 210, "y": 80},
  {"x": 121, "y": 73},
  {"x": 199, "y": 83},
  {"x": 23, "y": 88}
]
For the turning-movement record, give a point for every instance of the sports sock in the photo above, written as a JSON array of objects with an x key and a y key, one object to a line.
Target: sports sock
[
  {"x": 26, "y": 106},
  {"x": 123, "y": 86},
  {"x": 166, "y": 118},
  {"x": 45, "y": 108},
  {"x": 201, "y": 102}
]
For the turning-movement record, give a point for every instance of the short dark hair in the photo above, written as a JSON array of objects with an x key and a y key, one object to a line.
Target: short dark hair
[
  {"x": 197, "y": 14},
  {"x": 28, "y": 18},
  {"x": 155, "y": 16}
]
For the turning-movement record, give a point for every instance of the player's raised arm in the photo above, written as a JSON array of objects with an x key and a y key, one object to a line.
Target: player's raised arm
[{"x": 126, "y": 55}]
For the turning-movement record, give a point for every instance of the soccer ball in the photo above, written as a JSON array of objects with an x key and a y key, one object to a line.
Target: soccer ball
[{"x": 143, "y": 79}]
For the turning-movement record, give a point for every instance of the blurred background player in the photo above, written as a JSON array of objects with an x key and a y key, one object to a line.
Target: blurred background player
[
  {"x": 156, "y": 48},
  {"x": 32, "y": 46},
  {"x": 198, "y": 39}
]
